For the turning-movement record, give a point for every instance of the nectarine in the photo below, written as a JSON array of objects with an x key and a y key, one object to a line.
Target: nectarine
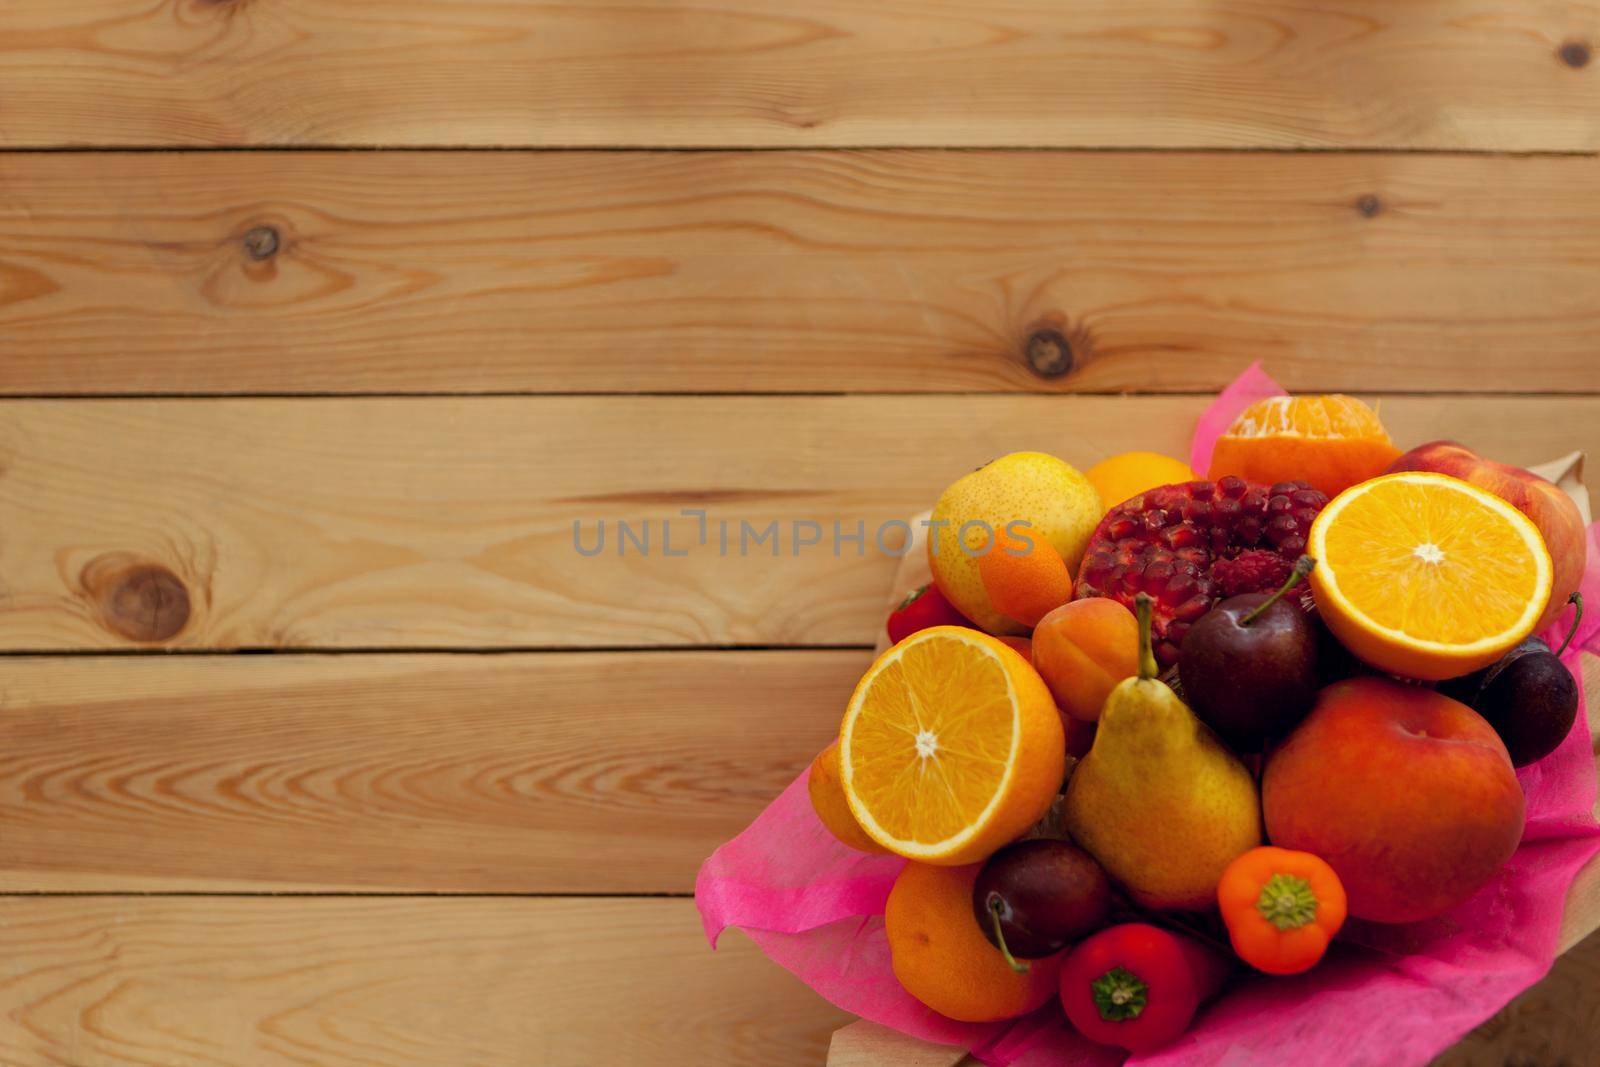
[{"x": 1407, "y": 794}]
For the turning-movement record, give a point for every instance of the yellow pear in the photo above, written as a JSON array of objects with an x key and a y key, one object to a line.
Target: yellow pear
[{"x": 1159, "y": 801}]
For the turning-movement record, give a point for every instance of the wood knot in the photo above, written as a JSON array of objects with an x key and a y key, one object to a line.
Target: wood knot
[
  {"x": 261, "y": 242},
  {"x": 1575, "y": 54},
  {"x": 1049, "y": 352},
  {"x": 1369, "y": 206},
  {"x": 137, "y": 599}
]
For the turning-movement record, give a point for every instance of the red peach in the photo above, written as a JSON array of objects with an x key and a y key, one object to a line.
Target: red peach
[
  {"x": 1407, "y": 794},
  {"x": 1551, "y": 510}
]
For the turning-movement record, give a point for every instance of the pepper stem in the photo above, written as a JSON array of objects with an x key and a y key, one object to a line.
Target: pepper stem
[
  {"x": 1143, "y": 608},
  {"x": 1000, "y": 937},
  {"x": 1287, "y": 902},
  {"x": 1302, "y": 567},
  {"x": 1120, "y": 995},
  {"x": 1577, "y": 617}
]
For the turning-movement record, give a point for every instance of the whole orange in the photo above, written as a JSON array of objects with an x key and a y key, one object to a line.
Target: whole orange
[
  {"x": 1331, "y": 442},
  {"x": 1024, "y": 576},
  {"x": 942, "y": 958},
  {"x": 1082, "y": 650},
  {"x": 827, "y": 799},
  {"x": 1125, "y": 476}
]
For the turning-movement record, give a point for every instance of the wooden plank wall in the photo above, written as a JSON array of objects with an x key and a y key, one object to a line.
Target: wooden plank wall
[{"x": 322, "y": 323}]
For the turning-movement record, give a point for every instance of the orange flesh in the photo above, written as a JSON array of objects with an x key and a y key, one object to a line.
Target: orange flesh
[{"x": 933, "y": 739}]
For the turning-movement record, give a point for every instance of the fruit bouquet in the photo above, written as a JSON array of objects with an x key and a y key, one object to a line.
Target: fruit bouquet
[{"x": 1289, "y": 761}]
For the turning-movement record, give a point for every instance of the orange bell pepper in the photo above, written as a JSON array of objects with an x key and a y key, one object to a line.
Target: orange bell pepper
[{"x": 1281, "y": 907}]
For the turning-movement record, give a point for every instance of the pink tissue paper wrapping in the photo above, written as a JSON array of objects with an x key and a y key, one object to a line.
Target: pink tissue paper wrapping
[{"x": 1385, "y": 995}]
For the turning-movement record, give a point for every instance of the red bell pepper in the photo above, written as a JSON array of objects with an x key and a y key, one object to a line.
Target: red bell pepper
[
  {"x": 1137, "y": 986},
  {"x": 924, "y": 608}
]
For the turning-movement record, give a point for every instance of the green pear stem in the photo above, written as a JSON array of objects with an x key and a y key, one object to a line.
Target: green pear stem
[
  {"x": 1000, "y": 936},
  {"x": 1302, "y": 567},
  {"x": 1143, "y": 608},
  {"x": 1577, "y": 599}
]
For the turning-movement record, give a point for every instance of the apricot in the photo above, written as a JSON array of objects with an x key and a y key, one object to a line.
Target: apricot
[
  {"x": 1408, "y": 795},
  {"x": 1082, "y": 650}
]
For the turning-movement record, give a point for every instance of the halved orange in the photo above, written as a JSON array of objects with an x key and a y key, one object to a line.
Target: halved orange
[
  {"x": 1332, "y": 442},
  {"x": 950, "y": 748},
  {"x": 1427, "y": 576}
]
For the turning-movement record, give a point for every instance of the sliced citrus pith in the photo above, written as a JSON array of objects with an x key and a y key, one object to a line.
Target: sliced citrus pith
[
  {"x": 1426, "y": 576},
  {"x": 951, "y": 747},
  {"x": 1331, "y": 442}
]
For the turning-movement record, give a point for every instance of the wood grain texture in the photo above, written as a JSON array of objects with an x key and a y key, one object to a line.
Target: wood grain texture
[
  {"x": 455, "y": 522},
  {"x": 1360, "y": 73},
  {"x": 1551, "y": 1025},
  {"x": 555, "y": 773},
  {"x": 877, "y": 271},
  {"x": 124, "y": 981}
]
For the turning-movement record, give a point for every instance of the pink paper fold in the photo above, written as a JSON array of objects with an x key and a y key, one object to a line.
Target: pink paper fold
[{"x": 1385, "y": 997}]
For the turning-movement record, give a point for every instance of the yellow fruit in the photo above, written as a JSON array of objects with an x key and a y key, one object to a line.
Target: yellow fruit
[
  {"x": 827, "y": 798},
  {"x": 1125, "y": 476},
  {"x": 942, "y": 958},
  {"x": 951, "y": 747},
  {"x": 1427, "y": 576},
  {"x": 1031, "y": 487}
]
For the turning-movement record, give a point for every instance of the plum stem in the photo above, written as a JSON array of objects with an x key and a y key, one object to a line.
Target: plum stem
[
  {"x": 1000, "y": 937},
  {"x": 1143, "y": 609},
  {"x": 1575, "y": 599},
  {"x": 1302, "y": 567}
]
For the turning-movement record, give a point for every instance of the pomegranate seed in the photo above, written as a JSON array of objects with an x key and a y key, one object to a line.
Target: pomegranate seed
[
  {"x": 1232, "y": 487},
  {"x": 1226, "y": 512},
  {"x": 1280, "y": 527},
  {"x": 1248, "y": 530},
  {"x": 1192, "y": 609},
  {"x": 1157, "y": 575},
  {"x": 1254, "y": 502},
  {"x": 1183, "y": 535},
  {"x": 1196, "y": 510},
  {"x": 1176, "y": 631},
  {"x": 1122, "y": 526},
  {"x": 1179, "y": 589},
  {"x": 1156, "y": 519},
  {"x": 1279, "y": 504},
  {"x": 1292, "y": 546},
  {"x": 1201, "y": 490},
  {"x": 1309, "y": 498},
  {"x": 1285, "y": 488}
]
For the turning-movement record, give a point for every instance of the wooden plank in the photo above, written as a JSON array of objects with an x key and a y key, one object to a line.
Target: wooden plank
[
  {"x": 457, "y": 522},
  {"x": 879, "y": 271},
  {"x": 553, "y": 773},
  {"x": 253, "y": 982},
  {"x": 1554, "y": 1023},
  {"x": 1430, "y": 74}
]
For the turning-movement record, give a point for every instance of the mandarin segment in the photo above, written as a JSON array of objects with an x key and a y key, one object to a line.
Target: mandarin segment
[
  {"x": 951, "y": 746},
  {"x": 1332, "y": 442},
  {"x": 1025, "y": 578}
]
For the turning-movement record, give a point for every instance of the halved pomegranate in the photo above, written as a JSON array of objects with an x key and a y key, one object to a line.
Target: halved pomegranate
[{"x": 1191, "y": 544}]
